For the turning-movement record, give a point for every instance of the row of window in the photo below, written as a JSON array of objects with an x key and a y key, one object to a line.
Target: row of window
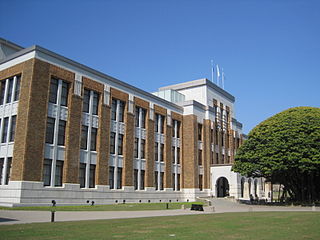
[{"x": 10, "y": 93}]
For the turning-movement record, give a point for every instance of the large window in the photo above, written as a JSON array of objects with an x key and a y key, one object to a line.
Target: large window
[
  {"x": 93, "y": 145},
  {"x": 121, "y": 111},
  {"x": 200, "y": 156},
  {"x": 143, "y": 148},
  {"x": 140, "y": 117},
  {"x": 111, "y": 177},
  {"x": 47, "y": 172},
  {"x": 53, "y": 95},
  {"x": 135, "y": 179},
  {"x": 86, "y": 101},
  {"x": 53, "y": 90},
  {"x": 5, "y": 130},
  {"x": 64, "y": 93},
  {"x": 136, "y": 147},
  {"x": 9, "y": 91},
  {"x": 156, "y": 158},
  {"x": 119, "y": 178},
  {"x": 82, "y": 175},
  {"x": 17, "y": 89},
  {"x": 120, "y": 144},
  {"x": 95, "y": 103},
  {"x": 84, "y": 137},
  {"x": 8, "y": 170},
  {"x": 61, "y": 133},
  {"x": 92, "y": 178},
  {"x": 114, "y": 109},
  {"x": 159, "y": 124},
  {"x": 12, "y": 128},
  {"x": 112, "y": 142},
  {"x": 59, "y": 171},
  {"x": 3, "y": 90},
  {"x": 199, "y": 132},
  {"x": 117, "y": 110},
  {"x": 161, "y": 152}
]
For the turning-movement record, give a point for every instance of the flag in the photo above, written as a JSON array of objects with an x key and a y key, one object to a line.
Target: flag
[{"x": 218, "y": 71}]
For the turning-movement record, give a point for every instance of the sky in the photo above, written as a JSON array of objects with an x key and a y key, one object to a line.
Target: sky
[{"x": 269, "y": 49}]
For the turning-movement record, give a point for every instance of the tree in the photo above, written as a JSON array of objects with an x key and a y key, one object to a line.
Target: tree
[{"x": 285, "y": 149}]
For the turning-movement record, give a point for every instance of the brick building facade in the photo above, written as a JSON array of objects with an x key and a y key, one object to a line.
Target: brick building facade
[{"x": 73, "y": 134}]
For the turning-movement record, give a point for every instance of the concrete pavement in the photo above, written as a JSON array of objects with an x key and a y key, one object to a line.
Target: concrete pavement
[{"x": 220, "y": 206}]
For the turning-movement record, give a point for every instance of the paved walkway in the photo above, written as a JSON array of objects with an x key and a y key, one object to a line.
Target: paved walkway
[{"x": 220, "y": 206}]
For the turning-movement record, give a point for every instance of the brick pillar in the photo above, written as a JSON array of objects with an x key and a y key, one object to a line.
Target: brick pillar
[
  {"x": 168, "y": 157},
  {"x": 220, "y": 160},
  {"x": 149, "y": 173},
  {"x": 128, "y": 145},
  {"x": 190, "y": 151},
  {"x": 28, "y": 153},
  {"x": 215, "y": 160},
  {"x": 206, "y": 153},
  {"x": 231, "y": 146},
  {"x": 73, "y": 133},
  {"x": 102, "y": 167}
]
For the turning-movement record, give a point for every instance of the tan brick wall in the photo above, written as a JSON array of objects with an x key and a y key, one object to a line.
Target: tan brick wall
[
  {"x": 150, "y": 138},
  {"x": 128, "y": 148},
  {"x": 73, "y": 136},
  {"x": 103, "y": 145},
  {"x": 28, "y": 153},
  {"x": 190, "y": 152}
]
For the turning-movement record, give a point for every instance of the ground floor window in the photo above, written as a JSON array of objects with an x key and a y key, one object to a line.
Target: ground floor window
[
  {"x": 47, "y": 169},
  {"x": 59, "y": 172},
  {"x": 7, "y": 171},
  {"x": 119, "y": 178},
  {"x": 92, "y": 177},
  {"x": 111, "y": 177},
  {"x": 200, "y": 183},
  {"x": 82, "y": 175}
]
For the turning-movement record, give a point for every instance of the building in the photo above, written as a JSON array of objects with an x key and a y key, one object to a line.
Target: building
[{"x": 70, "y": 133}]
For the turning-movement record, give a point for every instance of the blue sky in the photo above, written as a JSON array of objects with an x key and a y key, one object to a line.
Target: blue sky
[{"x": 269, "y": 49}]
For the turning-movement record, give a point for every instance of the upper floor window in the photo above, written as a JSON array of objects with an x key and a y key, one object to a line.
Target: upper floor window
[
  {"x": 159, "y": 123},
  {"x": 57, "y": 86},
  {"x": 87, "y": 95},
  {"x": 140, "y": 115},
  {"x": 117, "y": 110},
  {"x": 176, "y": 129},
  {"x": 10, "y": 90},
  {"x": 200, "y": 132},
  {"x": 50, "y": 130}
]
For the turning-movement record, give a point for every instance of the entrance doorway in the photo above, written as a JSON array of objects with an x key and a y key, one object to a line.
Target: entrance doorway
[{"x": 222, "y": 187}]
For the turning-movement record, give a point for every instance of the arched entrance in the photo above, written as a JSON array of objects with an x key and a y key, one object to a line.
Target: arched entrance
[{"x": 222, "y": 186}]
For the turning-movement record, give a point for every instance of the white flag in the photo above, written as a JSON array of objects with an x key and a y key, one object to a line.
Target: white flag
[{"x": 218, "y": 72}]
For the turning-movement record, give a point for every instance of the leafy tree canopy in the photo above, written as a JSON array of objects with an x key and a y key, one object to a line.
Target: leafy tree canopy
[{"x": 285, "y": 149}]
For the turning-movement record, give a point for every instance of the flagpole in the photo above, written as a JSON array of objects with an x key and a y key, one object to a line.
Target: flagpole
[
  {"x": 222, "y": 78},
  {"x": 218, "y": 74}
]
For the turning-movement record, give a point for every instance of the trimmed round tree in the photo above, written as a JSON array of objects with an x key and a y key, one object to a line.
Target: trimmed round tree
[{"x": 285, "y": 149}]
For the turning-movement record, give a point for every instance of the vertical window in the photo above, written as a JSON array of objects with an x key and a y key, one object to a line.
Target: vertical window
[
  {"x": 161, "y": 180},
  {"x": 156, "y": 180},
  {"x": 84, "y": 137},
  {"x": 173, "y": 155},
  {"x": 178, "y": 182},
  {"x": 95, "y": 103},
  {"x": 12, "y": 128},
  {"x": 9, "y": 91},
  {"x": 121, "y": 111},
  {"x": 200, "y": 157},
  {"x": 143, "y": 147},
  {"x": 64, "y": 93},
  {"x": 82, "y": 175},
  {"x": 120, "y": 144},
  {"x": 86, "y": 100},
  {"x": 5, "y": 130},
  {"x": 161, "y": 152},
  {"x": 1, "y": 168},
  {"x": 162, "y": 124},
  {"x": 135, "y": 179},
  {"x": 178, "y": 129},
  {"x": 8, "y": 171},
  {"x": 173, "y": 182},
  {"x": 199, "y": 132},
  {"x": 142, "y": 174},
  {"x": 200, "y": 183},
  {"x": 111, "y": 177},
  {"x": 47, "y": 172},
  {"x": 58, "y": 176},
  {"x": 93, "y": 145},
  {"x": 3, "y": 89},
  {"x": 50, "y": 130},
  {"x": 156, "y": 124},
  {"x": 61, "y": 132},
  {"x": 136, "y": 149},
  {"x": 119, "y": 180},
  {"x": 53, "y": 90},
  {"x": 137, "y": 117},
  {"x": 112, "y": 142},
  {"x": 17, "y": 89},
  {"x": 114, "y": 109},
  {"x": 92, "y": 183},
  {"x": 217, "y": 158},
  {"x": 178, "y": 155},
  {"x": 143, "y": 118},
  {"x": 222, "y": 139},
  {"x": 156, "y": 151}
]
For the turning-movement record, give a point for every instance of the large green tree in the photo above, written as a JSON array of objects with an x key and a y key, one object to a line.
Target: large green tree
[{"x": 285, "y": 149}]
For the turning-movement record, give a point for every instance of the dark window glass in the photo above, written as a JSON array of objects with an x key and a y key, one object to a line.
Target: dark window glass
[
  {"x": 47, "y": 172},
  {"x": 17, "y": 89},
  {"x": 136, "y": 143},
  {"x": 84, "y": 137},
  {"x": 86, "y": 100},
  {"x": 161, "y": 180},
  {"x": 143, "y": 147},
  {"x": 178, "y": 129},
  {"x": 143, "y": 118},
  {"x": 121, "y": 111},
  {"x": 222, "y": 139},
  {"x": 112, "y": 142},
  {"x": 156, "y": 180},
  {"x": 59, "y": 170},
  {"x": 161, "y": 152},
  {"x": 200, "y": 157},
  {"x": 114, "y": 109},
  {"x": 156, "y": 123},
  {"x": 95, "y": 103},
  {"x": 82, "y": 175},
  {"x": 3, "y": 89},
  {"x": 156, "y": 151},
  {"x": 8, "y": 171},
  {"x": 53, "y": 90},
  {"x": 162, "y": 124},
  {"x": 120, "y": 144},
  {"x": 12, "y": 128},
  {"x": 135, "y": 179},
  {"x": 93, "y": 145},
  {"x": 5, "y": 130},
  {"x": 64, "y": 93},
  {"x": 142, "y": 172},
  {"x": 199, "y": 132},
  {"x": 178, "y": 182},
  {"x": 200, "y": 183},
  {"x": 119, "y": 179},
  {"x": 173, "y": 182},
  {"x": 178, "y": 155},
  {"x": 137, "y": 117},
  {"x": 92, "y": 183},
  {"x": 50, "y": 130},
  {"x": 1, "y": 168},
  {"x": 173, "y": 155},
  {"x": 9, "y": 91},
  {"x": 111, "y": 177},
  {"x": 61, "y": 132}
]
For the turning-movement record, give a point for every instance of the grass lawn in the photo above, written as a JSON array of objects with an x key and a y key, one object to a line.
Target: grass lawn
[
  {"x": 111, "y": 207},
  {"x": 248, "y": 225}
]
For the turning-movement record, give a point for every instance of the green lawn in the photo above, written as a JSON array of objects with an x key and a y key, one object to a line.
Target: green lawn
[
  {"x": 248, "y": 225},
  {"x": 111, "y": 207}
]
